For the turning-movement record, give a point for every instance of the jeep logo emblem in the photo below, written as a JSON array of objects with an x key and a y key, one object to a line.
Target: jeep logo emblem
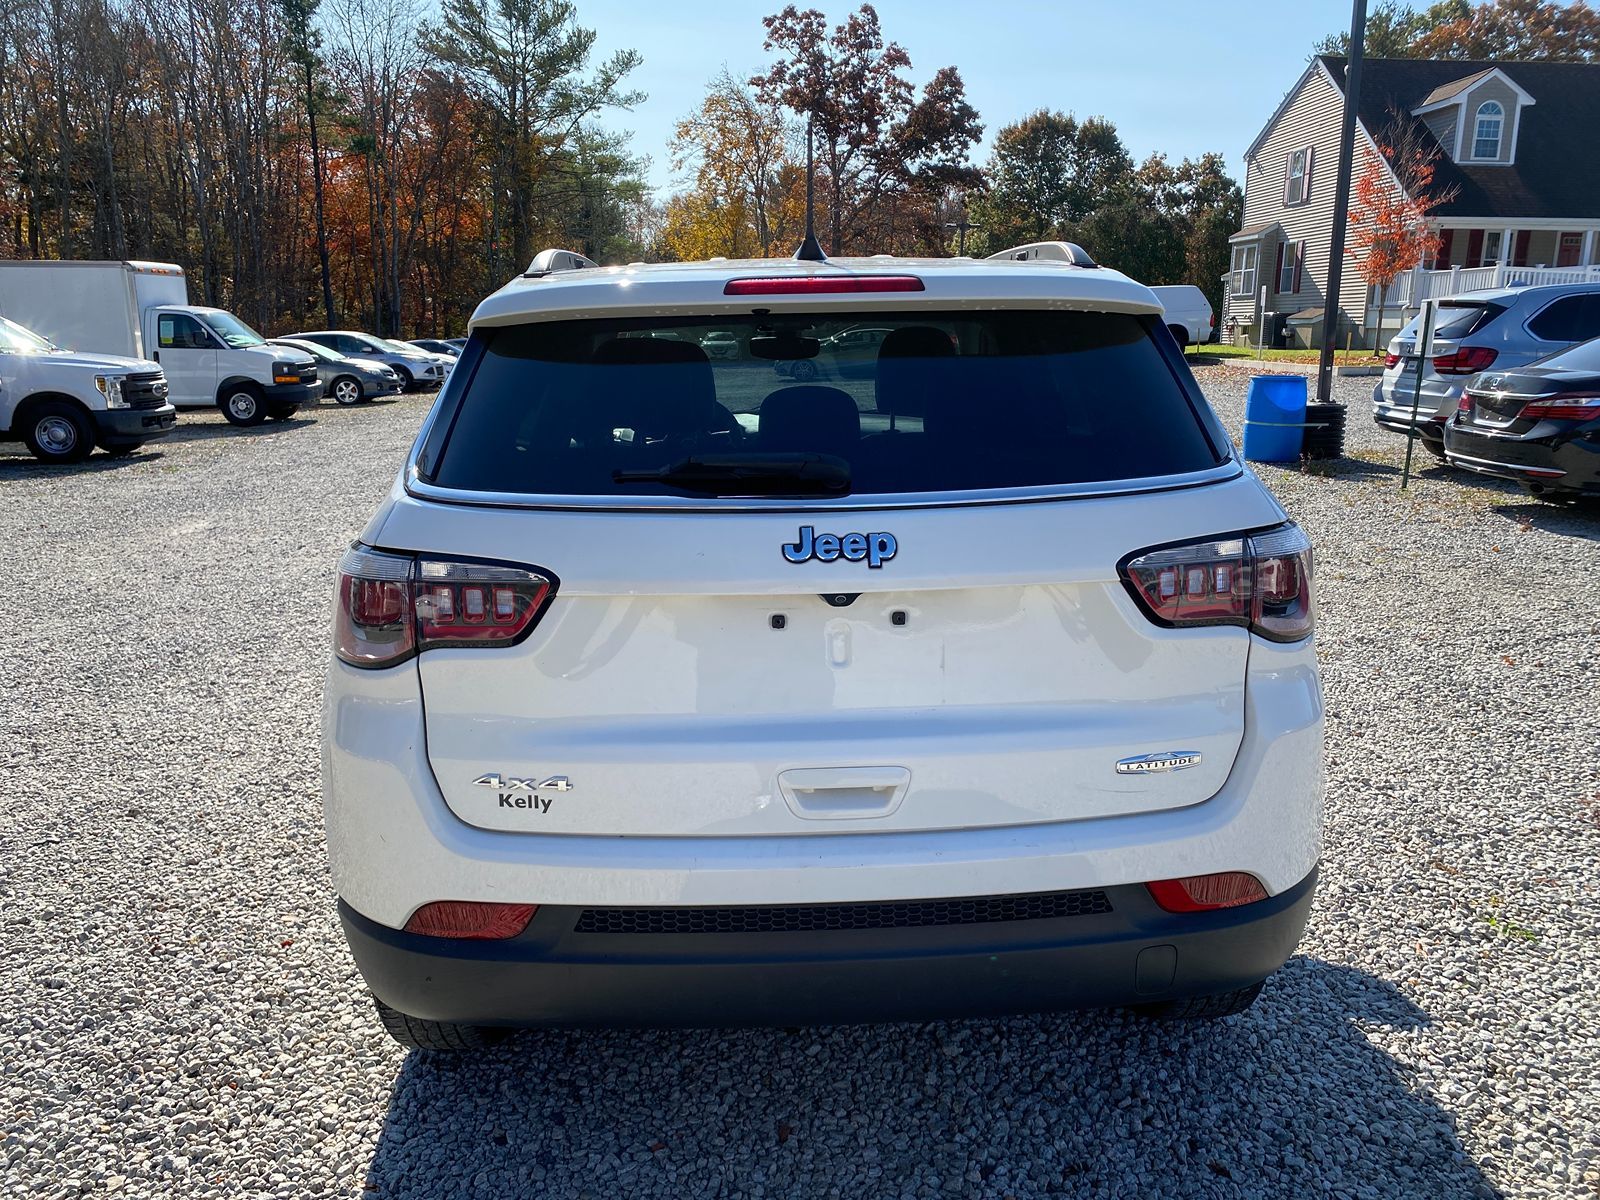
[{"x": 875, "y": 548}]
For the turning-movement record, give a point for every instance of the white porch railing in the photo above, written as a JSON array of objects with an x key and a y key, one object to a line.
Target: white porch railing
[{"x": 1412, "y": 288}]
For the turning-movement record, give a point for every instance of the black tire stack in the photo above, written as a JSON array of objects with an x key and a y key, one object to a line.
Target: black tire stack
[{"x": 1324, "y": 431}]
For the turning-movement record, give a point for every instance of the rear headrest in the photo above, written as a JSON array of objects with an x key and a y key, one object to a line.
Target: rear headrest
[
  {"x": 909, "y": 370},
  {"x": 823, "y": 420},
  {"x": 656, "y": 387}
]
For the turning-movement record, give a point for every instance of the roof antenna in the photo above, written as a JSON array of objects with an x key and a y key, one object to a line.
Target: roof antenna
[{"x": 810, "y": 249}]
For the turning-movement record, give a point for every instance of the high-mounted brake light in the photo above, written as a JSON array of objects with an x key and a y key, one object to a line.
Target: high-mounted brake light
[
  {"x": 819, "y": 285},
  {"x": 1468, "y": 360},
  {"x": 474, "y": 919},
  {"x": 392, "y": 606},
  {"x": 1262, "y": 581},
  {"x": 1566, "y": 406},
  {"x": 1202, "y": 893}
]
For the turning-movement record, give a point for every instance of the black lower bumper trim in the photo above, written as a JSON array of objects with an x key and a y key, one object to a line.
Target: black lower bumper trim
[
  {"x": 554, "y": 975},
  {"x": 133, "y": 426}
]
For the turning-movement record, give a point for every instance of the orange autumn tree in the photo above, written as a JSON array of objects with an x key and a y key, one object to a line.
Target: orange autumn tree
[{"x": 1389, "y": 229}]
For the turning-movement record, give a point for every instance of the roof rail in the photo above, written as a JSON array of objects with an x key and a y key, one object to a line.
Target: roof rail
[
  {"x": 1067, "y": 252},
  {"x": 547, "y": 262}
]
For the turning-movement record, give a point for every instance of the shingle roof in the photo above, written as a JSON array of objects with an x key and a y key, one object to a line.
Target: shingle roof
[
  {"x": 1557, "y": 172},
  {"x": 1453, "y": 89}
]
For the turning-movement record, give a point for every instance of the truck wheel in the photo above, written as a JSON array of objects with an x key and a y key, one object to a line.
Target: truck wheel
[
  {"x": 281, "y": 412},
  {"x": 416, "y": 1034},
  {"x": 1179, "y": 335},
  {"x": 58, "y": 432},
  {"x": 1202, "y": 1008},
  {"x": 242, "y": 404},
  {"x": 345, "y": 391}
]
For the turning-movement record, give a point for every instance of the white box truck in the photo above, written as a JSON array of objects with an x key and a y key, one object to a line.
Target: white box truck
[
  {"x": 142, "y": 310},
  {"x": 63, "y": 404}
]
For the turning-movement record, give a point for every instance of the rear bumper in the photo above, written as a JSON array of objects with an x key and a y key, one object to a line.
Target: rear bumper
[
  {"x": 553, "y": 975},
  {"x": 1552, "y": 463},
  {"x": 1391, "y": 408},
  {"x": 133, "y": 426}
]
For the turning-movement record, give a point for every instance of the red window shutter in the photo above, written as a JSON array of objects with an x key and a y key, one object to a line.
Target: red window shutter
[
  {"x": 1277, "y": 271},
  {"x": 1299, "y": 262},
  {"x": 1520, "y": 258},
  {"x": 1475, "y": 248}
]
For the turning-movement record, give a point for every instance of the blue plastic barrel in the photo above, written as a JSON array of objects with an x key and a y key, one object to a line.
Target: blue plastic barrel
[{"x": 1274, "y": 418}]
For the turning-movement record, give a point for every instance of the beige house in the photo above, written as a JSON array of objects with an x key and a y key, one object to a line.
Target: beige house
[{"x": 1518, "y": 141}]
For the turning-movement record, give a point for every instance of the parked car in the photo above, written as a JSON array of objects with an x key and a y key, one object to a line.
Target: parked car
[
  {"x": 850, "y": 354},
  {"x": 62, "y": 405},
  {"x": 1538, "y": 425},
  {"x": 954, "y": 691},
  {"x": 348, "y": 380},
  {"x": 445, "y": 362},
  {"x": 416, "y": 368},
  {"x": 1187, "y": 313},
  {"x": 1503, "y": 329},
  {"x": 438, "y": 346},
  {"x": 720, "y": 343},
  {"x": 141, "y": 310},
  {"x": 458, "y": 343}
]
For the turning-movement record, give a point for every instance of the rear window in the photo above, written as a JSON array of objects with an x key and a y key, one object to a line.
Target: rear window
[
  {"x": 913, "y": 403},
  {"x": 1456, "y": 319}
]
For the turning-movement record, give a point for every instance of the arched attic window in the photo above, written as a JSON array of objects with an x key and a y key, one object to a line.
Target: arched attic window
[{"x": 1486, "y": 133}]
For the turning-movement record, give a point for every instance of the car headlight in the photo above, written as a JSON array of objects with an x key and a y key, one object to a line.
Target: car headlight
[{"x": 110, "y": 386}]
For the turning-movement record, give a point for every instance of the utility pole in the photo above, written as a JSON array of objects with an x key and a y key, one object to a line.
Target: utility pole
[
  {"x": 961, "y": 228},
  {"x": 1341, "y": 199}
]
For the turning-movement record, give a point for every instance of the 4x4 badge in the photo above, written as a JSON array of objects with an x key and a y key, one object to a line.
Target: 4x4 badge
[
  {"x": 876, "y": 548},
  {"x": 510, "y": 783}
]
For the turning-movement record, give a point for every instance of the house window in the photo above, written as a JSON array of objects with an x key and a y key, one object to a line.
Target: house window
[
  {"x": 1491, "y": 248},
  {"x": 1297, "y": 177},
  {"x": 1291, "y": 255},
  {"x": 1486, "y": 137},
  {"x": 1244, "y": 272}
]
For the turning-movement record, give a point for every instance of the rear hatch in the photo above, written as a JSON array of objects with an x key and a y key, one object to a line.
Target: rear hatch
[
  {"x": 945, "y": 642},
  {"x": 1454, "y": 323}
]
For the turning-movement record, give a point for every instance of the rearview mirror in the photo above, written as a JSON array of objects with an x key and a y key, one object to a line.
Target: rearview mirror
[{"x": 784, "y": 346}]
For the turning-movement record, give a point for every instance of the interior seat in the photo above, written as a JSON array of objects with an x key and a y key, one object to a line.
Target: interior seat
[{"x": 812, "y": 418}]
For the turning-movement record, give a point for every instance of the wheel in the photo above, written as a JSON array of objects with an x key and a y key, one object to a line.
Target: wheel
[
  {"x": 1202, "y": 1008},
  {"x": 1179, "y": 335},
  {"x": 345, "y": 391},
  {"x": 408, "y": 382},
  {"x": 416, "y": 1034},
  {"x": 803, "y": 371},
  {"x": 58, "y": 431},
  {"x": 122, "y": 451},
  {"x": 242, "y": 404},
  {"x": 281, "y": 412},
  {"x": 1434, "y": 448}
]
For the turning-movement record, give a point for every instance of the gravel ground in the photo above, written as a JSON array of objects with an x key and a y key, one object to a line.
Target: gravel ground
[{"x": 184, "y": 1020}]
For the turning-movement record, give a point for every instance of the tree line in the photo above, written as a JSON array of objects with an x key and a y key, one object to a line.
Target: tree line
[{"x": 360, "y": 162}]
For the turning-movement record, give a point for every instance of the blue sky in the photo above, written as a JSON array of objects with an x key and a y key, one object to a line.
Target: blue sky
[{"x": 1177, "y": 76}]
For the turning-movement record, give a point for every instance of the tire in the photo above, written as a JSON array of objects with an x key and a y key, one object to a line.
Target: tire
[
  {"x": 346, "y": 390},
  {"x": 416, "y": 1034},
  {"x": 1179, "y": 335},
  {"x": 1202, "y": 1008},
  {"x": 242, "y": 404},
  {"x": 1434, "y": 448},
  {"x": 408, "y": 381},
  {"x": 58, "y": 431},
  {"x": 803, "y": 371},
  {"x": 281, "y": 412}
]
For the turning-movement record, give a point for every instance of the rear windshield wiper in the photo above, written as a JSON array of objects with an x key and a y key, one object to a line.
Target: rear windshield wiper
[{"x": 749, "y": 474}]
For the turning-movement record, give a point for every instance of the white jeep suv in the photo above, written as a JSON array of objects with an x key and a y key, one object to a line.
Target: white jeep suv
[{"x": 671, "y": 692}]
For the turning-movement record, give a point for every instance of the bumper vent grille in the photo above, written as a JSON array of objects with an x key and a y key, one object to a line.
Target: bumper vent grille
[{"x": 813, "y": 918}]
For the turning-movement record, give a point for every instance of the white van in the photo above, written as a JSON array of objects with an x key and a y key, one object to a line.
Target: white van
[
  {"x": 142, "y": 310},
  {"x": 1187, "y": 314}
]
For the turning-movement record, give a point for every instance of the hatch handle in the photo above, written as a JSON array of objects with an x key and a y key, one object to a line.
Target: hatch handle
[{"x": 843, "y": 793}]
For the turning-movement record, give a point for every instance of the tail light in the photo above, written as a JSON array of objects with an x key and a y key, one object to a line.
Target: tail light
[
  {"x": 1464, "y": 405},
  {"x": 1202, "y": 893},
  {"x": 471, "y": 919},
  {"x": 1567, "y": 406},
  {"x": 1468, "y": 360},
  {"x": 391, "y": 606},
  {"x": 1391, "y": 360},
  {"x": 1262, "y": 581},
  {"x": 1211, "y": 320}
]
